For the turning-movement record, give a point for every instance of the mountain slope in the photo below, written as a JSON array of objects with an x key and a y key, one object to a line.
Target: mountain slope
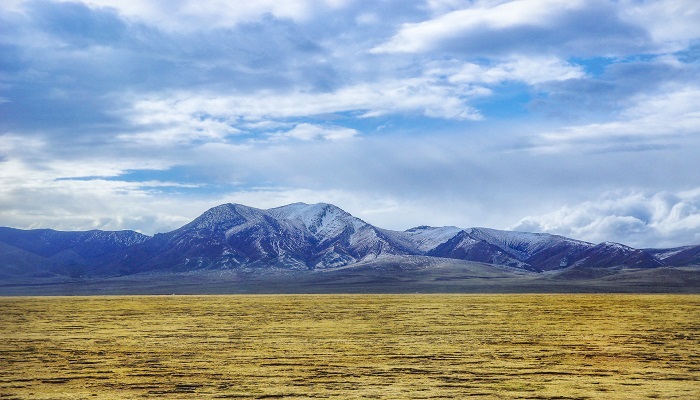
[{"x": 15, "y": 262}]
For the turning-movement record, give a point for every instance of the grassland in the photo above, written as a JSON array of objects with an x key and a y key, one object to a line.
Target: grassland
[{"x": 351, "y": 347}]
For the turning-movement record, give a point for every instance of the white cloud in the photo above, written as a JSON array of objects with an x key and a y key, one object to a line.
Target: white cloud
[
  {"x": 672, "y": 24},
  {"x": 305, "y": 131},
  {"x": 368, "y": 19},
  {"x": 438, "y": 7},
  {"x": 39, "y": 201},
  {"x": 161, "y": 123},
  {"x": 183, "y": 117},
  {"x": 530, "y": 70},
  {"x": 40, "y": 190},
  {"x": 654, "y": 119},
  {"x": 426, "y": 35},
  {"x": 31, "y": 161},
  {"x": 634, "y": 218},
  {"x": 12, "y": 5}
]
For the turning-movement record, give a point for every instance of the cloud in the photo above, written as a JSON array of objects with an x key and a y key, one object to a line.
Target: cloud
[
  {"x": 550, "y": 26},
  {"x": 426, "y": 35},
  {"x": 187, "y": 15},
  {"x": 433, "y": 112},
  {"x": 180, "y": 116},
  {"x": 76, "y": 24},
  {"x": 634, "y": 218},
  {"x": 32, "y": 197},
  {"x": 161, "y": 124},
  {"x": 305, "y": 131},
  {"x": 652, "y": 121},
  {"x": 530, "y": 70},
  {"x": 672, "y": 24}
]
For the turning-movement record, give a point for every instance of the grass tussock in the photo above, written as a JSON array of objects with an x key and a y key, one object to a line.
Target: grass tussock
[{"x": 351, "y": 347}]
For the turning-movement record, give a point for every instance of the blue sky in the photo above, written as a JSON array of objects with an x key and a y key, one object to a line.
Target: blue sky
[{"x": 579, "y": 118}]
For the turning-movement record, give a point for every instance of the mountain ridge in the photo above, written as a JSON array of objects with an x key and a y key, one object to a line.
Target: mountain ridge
[{"x": 306, "y": 237}]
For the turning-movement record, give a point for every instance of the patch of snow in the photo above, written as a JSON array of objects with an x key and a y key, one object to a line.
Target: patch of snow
[
  {"x": 426, "y": 238},
  {"x": 523, "y": 244},
  {"x": 616, "y": 246},
  {"x": 664, "y": 254},
  {"x": 325, "y": 221}
]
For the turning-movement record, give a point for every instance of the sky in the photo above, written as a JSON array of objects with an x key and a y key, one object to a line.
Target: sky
[{"x": 573, "y": 117}]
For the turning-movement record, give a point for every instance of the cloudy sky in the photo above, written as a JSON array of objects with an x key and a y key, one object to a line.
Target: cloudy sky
[{"x": 579, "y": 118}]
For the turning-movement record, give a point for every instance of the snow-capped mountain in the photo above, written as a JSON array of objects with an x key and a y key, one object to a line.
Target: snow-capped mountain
[
  {"x": 305, "y": 237},
  {"x": 297, "y": 236}
]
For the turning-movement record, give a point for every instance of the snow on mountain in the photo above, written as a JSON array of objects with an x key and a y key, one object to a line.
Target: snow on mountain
[
  {"x": 426, "y": 238},
  {"x": 117, "y": 238},
  {"x": 322, "y": 235},
  {"x": 465, "y": 246},
  {"x": 524, "y": 245},
  {"x": 663, "y": 254},
  {"x": 324, "y": 221},
  {"x": 309, "y": 236},
  {"x": 297, "y": 236},
  {"x": 338, "y": 232},
  {"x": 689, "y": 255},
  {"x": 222, "y": 218}
]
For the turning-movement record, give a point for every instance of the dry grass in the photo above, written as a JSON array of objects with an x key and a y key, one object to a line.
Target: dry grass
[{"x": 351, "y": 346}]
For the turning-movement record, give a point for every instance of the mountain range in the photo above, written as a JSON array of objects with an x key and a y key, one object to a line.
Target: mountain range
[{"x": 316, "y": 238}]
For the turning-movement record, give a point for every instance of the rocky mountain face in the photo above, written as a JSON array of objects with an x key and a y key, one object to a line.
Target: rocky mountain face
[{"x": 303, "y": 237}]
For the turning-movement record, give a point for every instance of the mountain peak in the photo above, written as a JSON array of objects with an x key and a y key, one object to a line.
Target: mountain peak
[
  {"x": 320, "y": 218},
  {"x": 616, "y": 246},
  {"x": 223, "y": 217}
]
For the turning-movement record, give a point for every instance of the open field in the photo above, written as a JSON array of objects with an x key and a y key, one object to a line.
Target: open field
[{"x": 351, "y": 346}]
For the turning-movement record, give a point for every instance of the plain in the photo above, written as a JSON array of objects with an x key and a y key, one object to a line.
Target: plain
[{"x": 578, "y": 346}]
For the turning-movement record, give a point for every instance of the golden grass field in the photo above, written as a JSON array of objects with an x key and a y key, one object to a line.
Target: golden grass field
[{"x": 351, "y": 347}]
